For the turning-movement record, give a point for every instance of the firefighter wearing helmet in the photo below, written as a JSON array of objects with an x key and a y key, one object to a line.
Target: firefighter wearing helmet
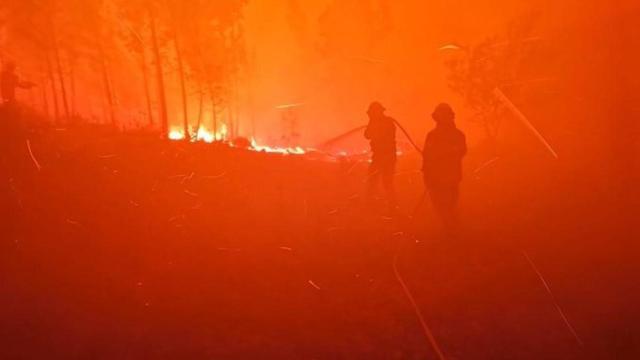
[
  {"x": 381, "y": 133},
  {"x": 443, "y": 151}
]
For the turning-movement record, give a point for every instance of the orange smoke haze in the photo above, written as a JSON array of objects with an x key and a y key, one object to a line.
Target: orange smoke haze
[
  {"x": 209, "y": 179},
  {"x": 337, "y": 56},
  {"x": 331, "y": 58}
]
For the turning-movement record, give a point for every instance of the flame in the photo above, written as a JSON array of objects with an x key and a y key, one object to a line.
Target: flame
[
  {"x": 222, "y": 133},
  {"x": 208, "y": 136},
  {"x": 175, "y": 134},
  {"x": 297, "y": 150},
  {"x": 203, "y": 134}
]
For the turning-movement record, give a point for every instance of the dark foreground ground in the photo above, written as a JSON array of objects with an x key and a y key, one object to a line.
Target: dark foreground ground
[{"x": 126, "y": 247}]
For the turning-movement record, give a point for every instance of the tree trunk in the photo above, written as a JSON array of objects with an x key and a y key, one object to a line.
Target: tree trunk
[
  {"x": 63, "y": 89},
  {"x": 215, "y": 119},
  {"x": 108, "y": 91},
  {"x": 213, "y": 112},
  {"x": 72, "y": 81},
  {"x": 45, "y": 100},
  {"x": 145, "y": 75},
  {"x": 200, "y": 105},
  {"x": 231, "y": 125},
  {"x": 236, "y": 105},
  {"x": 183, "y": 87},
  {"x": 164, "y": 122},
  {"x": 54, "y": 93},
  {"x": 147, "y": 93},
  {"x": 251, "y": 76}
]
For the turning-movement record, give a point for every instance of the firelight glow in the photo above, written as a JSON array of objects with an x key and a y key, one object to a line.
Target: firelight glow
[{"x": 207, "y": 136}]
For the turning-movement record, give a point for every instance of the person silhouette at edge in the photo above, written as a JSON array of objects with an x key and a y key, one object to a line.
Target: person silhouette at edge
[
  {"x": 444, "y": 149},
  {"x": 381, "y": 133},
  {"x": 13, "y": 150},
  {"x": 9, "y": 82}
]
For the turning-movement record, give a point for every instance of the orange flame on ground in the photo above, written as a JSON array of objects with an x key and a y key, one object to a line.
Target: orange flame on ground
[
  {"x": 297, "y": 150},
  {"x": 176, "y": 135},
  {"x": 205, "y": 135}
]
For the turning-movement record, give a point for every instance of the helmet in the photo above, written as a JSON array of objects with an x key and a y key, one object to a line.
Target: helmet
[
  {"x": 376, "y": 108},
  {"x": 443, "y": 112}
]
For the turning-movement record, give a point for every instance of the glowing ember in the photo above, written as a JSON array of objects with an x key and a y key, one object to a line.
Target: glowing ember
[{"x": 450, "y": 47}]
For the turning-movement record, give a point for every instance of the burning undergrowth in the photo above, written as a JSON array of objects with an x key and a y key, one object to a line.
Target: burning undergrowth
[{"x": 221, "y": 136}]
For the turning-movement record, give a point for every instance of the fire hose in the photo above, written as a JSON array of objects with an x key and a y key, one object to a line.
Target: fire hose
[
  {"x": 408, "y": 136},
  {"x": 425, "y": 327},
  {"x": 427, "y": 331}
]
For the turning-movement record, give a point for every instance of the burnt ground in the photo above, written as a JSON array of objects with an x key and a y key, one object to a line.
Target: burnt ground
[{"x": 127, "y": 247}]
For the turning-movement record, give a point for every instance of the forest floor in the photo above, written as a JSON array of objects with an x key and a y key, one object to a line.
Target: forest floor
[{"x": 128, "y": 247}]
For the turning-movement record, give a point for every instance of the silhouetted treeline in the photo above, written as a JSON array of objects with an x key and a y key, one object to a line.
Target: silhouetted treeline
[{"x": 121, "y": 61}]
